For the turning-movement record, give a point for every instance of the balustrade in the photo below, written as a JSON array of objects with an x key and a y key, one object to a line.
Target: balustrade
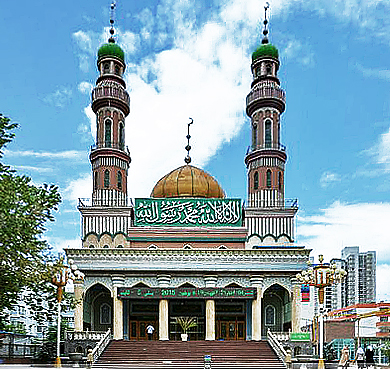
[
  {"x": 266, "y": 92},
  {"x": 100, "y": 92}
]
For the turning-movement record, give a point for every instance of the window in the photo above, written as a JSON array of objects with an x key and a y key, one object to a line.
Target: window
[
  {"x": 96, "y": 179},
  {"x": 269, "y": 179},
  {"x": 105, "y": 314},
  {"x": 269, "y": 315},
  {"x": 119, "y": 180},
  {"x": 280, "y": 181},
  {"x": 268, "y": 134},
  {"x": 106, "y": 68},
  {"x": 254, "y": 136},
  {"x": 121, "y": 136},
  {"x": 268, "y": 68},
  {"x": 106, "y": 247},
  {"x": 107, "y": 133},
  {"x": 256, "y": 181},
  {"x": 117, "y": 69},
  {"x": 106, "y": 178}
]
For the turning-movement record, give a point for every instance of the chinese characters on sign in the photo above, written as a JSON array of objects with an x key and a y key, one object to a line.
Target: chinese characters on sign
[
  {"x": 188, "y": 212},
  {"x": 186, "y": 293}
]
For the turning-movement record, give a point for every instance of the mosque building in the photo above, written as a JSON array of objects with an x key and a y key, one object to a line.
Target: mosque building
[{"x": 188, "y": 251}]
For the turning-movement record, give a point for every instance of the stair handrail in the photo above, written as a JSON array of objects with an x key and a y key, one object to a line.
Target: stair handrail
[
  {"x": 101, "y": 345},
  {"x": 277, "y": 347}
]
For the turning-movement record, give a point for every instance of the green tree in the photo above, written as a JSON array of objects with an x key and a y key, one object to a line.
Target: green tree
[{"x": 25, "y": 258}]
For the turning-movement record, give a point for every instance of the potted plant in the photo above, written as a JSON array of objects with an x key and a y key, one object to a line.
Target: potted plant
[{"x": 186, "y": 323}]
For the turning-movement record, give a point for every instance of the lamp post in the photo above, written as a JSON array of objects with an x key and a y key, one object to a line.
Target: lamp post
[
  {"x": 60, "y": 279},
  {"x": 321, "y": 276}
]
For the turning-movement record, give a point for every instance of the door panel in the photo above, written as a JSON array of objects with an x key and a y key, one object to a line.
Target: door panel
[
  {"x": 137, "y": 330},
  {"x": 231, "y": 330}
]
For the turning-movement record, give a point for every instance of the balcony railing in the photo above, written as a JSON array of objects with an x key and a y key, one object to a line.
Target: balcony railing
[
  {"x": 269, "y": 203},
  {"x": 267, "y": 146},
  {"x": 111, "y": 145},
  {"x": 266, "y": 92},
  {"x": 101, "y": 92}
]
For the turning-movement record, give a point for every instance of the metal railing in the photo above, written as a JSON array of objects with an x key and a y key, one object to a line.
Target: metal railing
[
  {"x": 101, "y": 345},
  {"x": 266, "y": 92},
  {"x": 110, "y": 145},
  {"x": 276, "y": 346},
  {"x": 267, "y": 146},
  {"x": 101, "y": 92},
  {"x": 85, "y": 335}
]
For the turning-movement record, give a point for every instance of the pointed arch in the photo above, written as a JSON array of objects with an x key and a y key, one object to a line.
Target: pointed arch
[
  {"x": 269, "y": 178},
  {"x": 107, "y": 133},
  {"x": 119, "y": 180},
  {"x": 256, "y": 181},
  {"x": 106, "y": 178}
]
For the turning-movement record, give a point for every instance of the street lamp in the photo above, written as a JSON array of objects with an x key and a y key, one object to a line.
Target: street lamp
[
  {"x": 321, "y": 276},
  {"x": 60, "y": 279}
]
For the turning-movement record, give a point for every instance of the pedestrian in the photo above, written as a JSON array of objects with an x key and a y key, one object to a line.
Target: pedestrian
[
  {"x": 370, "y": 356},
  {"x": 149, "y": 331},
  {"x": 360, "y": 357},
  {"x": 344, "y": 359},
  {"x": 89, "y": 358}
]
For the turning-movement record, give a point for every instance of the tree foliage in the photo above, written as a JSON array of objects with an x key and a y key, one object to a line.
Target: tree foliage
[{"x": 25, "y": 259}]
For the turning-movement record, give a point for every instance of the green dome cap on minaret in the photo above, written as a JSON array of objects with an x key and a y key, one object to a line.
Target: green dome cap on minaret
[
  {"x": 265, "y": 50},
  {"x": 111, "y": 49}
]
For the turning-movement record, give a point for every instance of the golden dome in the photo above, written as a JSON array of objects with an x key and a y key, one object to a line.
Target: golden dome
[{"x": 187, "y": 181}]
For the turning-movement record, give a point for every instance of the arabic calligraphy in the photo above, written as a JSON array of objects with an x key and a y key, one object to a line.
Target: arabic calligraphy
[
  {"x": 190, "y": 212},
  {"x": 186, "y": 293}
]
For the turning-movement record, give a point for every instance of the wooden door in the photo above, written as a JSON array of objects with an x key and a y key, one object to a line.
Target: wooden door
[
  {"x": 231, "y": 330},
  {"x": 137, "y": 330}
]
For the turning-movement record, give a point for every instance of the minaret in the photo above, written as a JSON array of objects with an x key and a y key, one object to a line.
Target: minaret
[
  {"x": 266, "y": 157},
  {"x": 110, "y": 157}
]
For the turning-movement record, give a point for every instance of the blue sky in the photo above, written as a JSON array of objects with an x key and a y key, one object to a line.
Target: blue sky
[{"x": 192, "y": 59}]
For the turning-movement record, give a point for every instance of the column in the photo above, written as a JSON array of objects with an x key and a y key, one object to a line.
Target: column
[
  {"x": 117, "y": 281},
  {"x": 296, "y": 307},
  {"x": 79, "y": 305},
  {"x": 210, "y": 281},
  {"x": 164, "y": 280},
  {"x": 257, "y": 282}
]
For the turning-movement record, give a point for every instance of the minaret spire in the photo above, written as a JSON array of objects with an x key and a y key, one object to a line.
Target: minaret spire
[
  {"x": 188, "y": 147},
  {"x": 265, "y": 30},
  {"x": 112, "y": 15}
]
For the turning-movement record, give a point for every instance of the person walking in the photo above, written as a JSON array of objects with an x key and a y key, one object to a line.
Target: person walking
[
  {"x": 344, "y": 359},
  {"x": 370, "y": 356},
  {"x": 149, "y": 331},
  {"x": 360, "y": 357}
]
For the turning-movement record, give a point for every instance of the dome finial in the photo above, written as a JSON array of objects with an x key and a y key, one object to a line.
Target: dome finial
[
  {"x": 188, "y": 147},
  {"x": 112, "y": 31},
  {"x": 265, "y": 30}
]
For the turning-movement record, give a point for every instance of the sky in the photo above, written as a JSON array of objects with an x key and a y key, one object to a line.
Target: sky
[{"x": 192, "y": 59}]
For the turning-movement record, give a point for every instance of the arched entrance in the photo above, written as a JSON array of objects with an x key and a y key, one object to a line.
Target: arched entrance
[
  {"x": 98, "y": 309},
  {"x": 276, "y": 310}
]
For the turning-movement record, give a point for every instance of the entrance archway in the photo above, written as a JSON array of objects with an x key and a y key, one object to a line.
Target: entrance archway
[
  {"x": 98, "y": 308},
  {"x": 276, "y": 310}
]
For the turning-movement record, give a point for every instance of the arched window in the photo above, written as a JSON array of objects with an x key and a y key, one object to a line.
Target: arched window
[
  {"x": 269, "y": 179},
  {"x": 121, "y": 136},
  {"x": 106, "y": 178},
  {"x": 254, "y": 136},
  {"x": 107, "y": 133},
  {"x": 117, "y": 69},
  {"x": 119, "y": 180},
  {"x": 106, "y": 247},
  {"x": 256, "y": 181},
  {"x": 96, "y": 179},
  {"x": 106, "y": 67},
  {"x": 105, "y": 314},
  {"x": 270, "y": 315},
  {"x": 268, "y": 134},
  {"x": 268, "y": 68},
  {"x": 119, "y": 247},
  {"x": 280, "y": 180}
]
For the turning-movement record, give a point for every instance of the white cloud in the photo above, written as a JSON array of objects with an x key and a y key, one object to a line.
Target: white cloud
[
  {"x": 32, "y": 168},
  {"x": 59, "y": 244},
  {"x": 383, "y": 150},
  {"x": 340, "y": 225},
  {"x": 59, "y": 98},
  {"x": 329, "y": 178},
  {"x": 78, "y": 188},
  {"x": 85, "y": 87},
  {"x": 84, "y": 41},
  {"x": 70, "y": 154},
  {"x": 373, "y": 72}
]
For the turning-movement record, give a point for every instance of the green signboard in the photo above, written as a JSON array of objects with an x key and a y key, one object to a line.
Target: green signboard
[
  {"x": 300, "y": 336},
  {"x": 187, "y": 212},
  {"x": 187, "y": 293}
]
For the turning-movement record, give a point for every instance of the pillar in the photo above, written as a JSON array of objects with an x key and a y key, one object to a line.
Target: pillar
[
  {"x": 117, "y": 281},
  {"x": 296, "y": 307},
  {"x": 79, "y": 305},
  {"x": 164, "y": 280},
  {"x": 257, "y": 282},
  {"x": 210, "y": 282}
]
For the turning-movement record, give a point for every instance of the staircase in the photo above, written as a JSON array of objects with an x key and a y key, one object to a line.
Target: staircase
[{"x": 188, "y": 355}]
